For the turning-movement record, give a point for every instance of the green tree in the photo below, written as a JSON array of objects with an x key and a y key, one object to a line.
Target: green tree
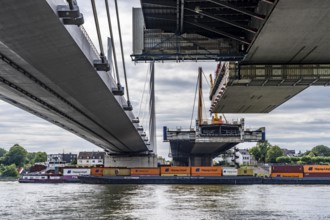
[
  {"x": 307, "y": 152},
  {"x": 311, "y": 154},
  {"x": 295, "y": 159},
  {"x": 260, "y": 150},
  {"x": 264, "y": 147},
  {"x": 326, "y": 160},
  {"x": 40, "y": 157},
  {"x": 300, "y": 162},
  {"x": 317, "y": 160},
  {"x": 74, "y": 162},
  {"x": 10, "y": 171},
  {"x": 2, "y": 168},
  {"x": 283, "y": 159},
  {"x": 30, "y": 157},
  {"x": 255, "y": 152},
  {"x": 16, "y": 155},
  {"x": 306, "y": 159},
  {"x": 273, "y": 153},
  {"x": 2, "y": 152},
  {"x": 321, "y": 150}
]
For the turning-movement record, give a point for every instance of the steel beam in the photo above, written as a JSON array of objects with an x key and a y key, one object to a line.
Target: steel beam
[
  {"x": 219, "y": 32},
  {"x": 235, "y": 8},
  {"x": 224, "y": 20},
  {"x": 205, "y": 28}
]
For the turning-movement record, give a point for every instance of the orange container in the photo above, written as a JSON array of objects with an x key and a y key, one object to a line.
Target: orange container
[
  {"x": 113, "y": 171},
  {"x": 317, "y": 169},
  {"x": 293, "y": 175},
  {"x": 206, "y": 171},
  {"x": 97, "y": 171},
  {"x": 175, "y": 171},
  {"x": 145, "y": 171}
]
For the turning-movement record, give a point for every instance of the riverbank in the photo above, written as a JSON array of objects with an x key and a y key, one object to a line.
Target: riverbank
[{"x": 7, "y": 179}]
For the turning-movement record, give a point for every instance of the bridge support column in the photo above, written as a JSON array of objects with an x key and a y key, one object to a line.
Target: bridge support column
[
  {"x": 200, "y": 161},
  {"x": 193, "y": 161},
  {"x": 130, "y": 160}
]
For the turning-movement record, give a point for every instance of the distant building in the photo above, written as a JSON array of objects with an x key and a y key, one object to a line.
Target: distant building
[
  {"x": 244, "y": 158},
  {"x": 90, "y": 158},
  {"x": 60, "y": 160},
  {"x": 290, "y": 153}
]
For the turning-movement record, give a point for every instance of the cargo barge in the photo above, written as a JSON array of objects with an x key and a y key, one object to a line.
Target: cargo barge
[
  {"x": 211, "y": 180},
  {"x": 40, "y": 179},
  {"x": 67, "y": 175},
  {"x": 225, "y": 180},
  {"x": 279, "y": 174},
  {"x": 296, "y": 181}
]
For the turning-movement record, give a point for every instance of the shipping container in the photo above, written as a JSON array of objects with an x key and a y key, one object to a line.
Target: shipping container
[
  {"x": 229, "y": 171},
  {"x": 97, "y": 171},
  {"x": 176, "y": 171},
  {"x": 287, "y": 169},
  {"x": 76, "y": 171},
  {"x": 316, "y": 175},
  {"x": 317, "y": 169},
  {"x": 116, "y": 171},
  {"x": 292, "y": 175},
  {"x": 245, "y": 171},
  {"x": 145, "y": 171},
  {"x": 206, "y": 171}
]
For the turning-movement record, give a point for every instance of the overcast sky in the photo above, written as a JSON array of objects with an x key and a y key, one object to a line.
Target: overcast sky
[{"x": 301, "y": 123}]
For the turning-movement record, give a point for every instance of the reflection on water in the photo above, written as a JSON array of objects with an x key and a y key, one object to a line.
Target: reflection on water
[{"x": 80, "y": 201}]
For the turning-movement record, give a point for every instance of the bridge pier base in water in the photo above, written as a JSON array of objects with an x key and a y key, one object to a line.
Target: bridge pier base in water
[{"x": 121, "y": 160}]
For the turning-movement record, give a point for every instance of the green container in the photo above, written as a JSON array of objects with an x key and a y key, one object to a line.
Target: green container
[{"x": 244, "y": 171}]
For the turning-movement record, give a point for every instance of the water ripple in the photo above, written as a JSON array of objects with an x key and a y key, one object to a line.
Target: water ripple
[{"x": 163, "y": 202}]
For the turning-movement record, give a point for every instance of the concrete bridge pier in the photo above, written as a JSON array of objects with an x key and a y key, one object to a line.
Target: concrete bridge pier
[
  {"x": 129, "y": 161},
  {"x": 201, "y": 160}
]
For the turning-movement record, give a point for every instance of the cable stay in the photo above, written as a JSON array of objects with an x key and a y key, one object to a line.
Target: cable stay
[
  {"x": 152, "y": 111},
  {"x": 143, "y": 92},
  {"x": 193, "y": 110},
  {"x": 147, "y": 112},
  {"x": 119, "y": 90},
  {"x": 102, "y": 64},
  {"x": 144, "y": 111},
  {"x": 129, "y": 106}
]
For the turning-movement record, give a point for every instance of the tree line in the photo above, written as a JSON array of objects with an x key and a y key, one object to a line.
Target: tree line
[
  {"x": 266, "y": 153},
  {"x": 17, "y": 157}
]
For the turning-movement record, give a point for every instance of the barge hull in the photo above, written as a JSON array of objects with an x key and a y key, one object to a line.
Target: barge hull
[
  {"x": 229, "y": 180},
  {"x": 171, "y": 180}
]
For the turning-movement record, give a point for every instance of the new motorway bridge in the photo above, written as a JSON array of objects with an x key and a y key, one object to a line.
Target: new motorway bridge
[{"x": 50, "y": 68}]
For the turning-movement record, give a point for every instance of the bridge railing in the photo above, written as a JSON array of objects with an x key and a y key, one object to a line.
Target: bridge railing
[
  {"x": 89, "y": 40},
  {"x": 284, "y": 71}
]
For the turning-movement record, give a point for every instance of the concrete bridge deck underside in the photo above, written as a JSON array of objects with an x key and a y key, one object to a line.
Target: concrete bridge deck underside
[{"x": 47, "y": 69}]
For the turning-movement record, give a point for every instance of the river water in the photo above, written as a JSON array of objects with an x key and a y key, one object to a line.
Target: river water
[{"x": 82, "y": 201}]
